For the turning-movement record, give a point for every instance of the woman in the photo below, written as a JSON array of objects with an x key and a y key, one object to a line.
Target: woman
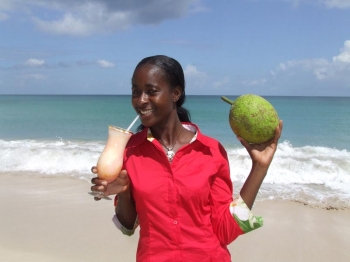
[{"x": 176, "y": 181}]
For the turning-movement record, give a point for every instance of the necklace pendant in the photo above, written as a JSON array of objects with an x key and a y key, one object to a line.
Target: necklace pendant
[{"x": 170, "y": 155}]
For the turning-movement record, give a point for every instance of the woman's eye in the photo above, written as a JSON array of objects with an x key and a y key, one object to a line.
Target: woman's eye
[{"x": 152, "y": 91}]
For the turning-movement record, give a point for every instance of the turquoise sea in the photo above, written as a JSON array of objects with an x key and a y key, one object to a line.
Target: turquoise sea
[{"x": 64, "y": 136}]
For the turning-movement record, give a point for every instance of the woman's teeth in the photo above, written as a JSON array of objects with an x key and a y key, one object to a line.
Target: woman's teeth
[{"x": 146, "y": 112}]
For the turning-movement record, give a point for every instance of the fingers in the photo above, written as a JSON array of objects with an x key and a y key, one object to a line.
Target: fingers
[
  {"x": 278, "y": 131},
  {"x": 121, "y": 181},
  {"x": 120, "y": 184},
  {"x": 100, "y": 186},
  {"x": 97, "y": 198},
  {"x": 243, "y": 141},
  {"x": 123, "y": 174},
  {"x": 98, "y": 181},
  {"x": 280, "y": 126},
  {"x": 94, "y": 169},
  {"x": 98, "y": 191}
]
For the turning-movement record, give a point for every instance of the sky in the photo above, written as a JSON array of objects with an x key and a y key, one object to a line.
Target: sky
[{"x": 265, "y": 47}]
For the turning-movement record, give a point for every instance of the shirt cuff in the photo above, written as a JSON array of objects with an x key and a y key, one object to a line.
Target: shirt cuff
[
  {"x": 244, "y": 217},
  {"x": 124, "y": 230}
]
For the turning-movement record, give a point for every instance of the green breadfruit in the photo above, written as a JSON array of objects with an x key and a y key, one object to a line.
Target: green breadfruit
[{"x": 253, "y": 118}]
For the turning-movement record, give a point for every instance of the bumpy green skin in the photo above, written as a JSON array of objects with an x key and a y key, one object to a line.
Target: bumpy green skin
[{"x": 253, "y": 118}]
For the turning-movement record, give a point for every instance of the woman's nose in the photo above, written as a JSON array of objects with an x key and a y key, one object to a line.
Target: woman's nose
[{"x": 143, "y": 98}]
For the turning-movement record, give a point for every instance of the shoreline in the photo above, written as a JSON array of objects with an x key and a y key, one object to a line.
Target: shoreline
[{"x": 55, "y": 219}]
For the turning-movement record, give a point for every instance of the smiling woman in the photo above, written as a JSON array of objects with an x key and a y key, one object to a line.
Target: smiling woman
[
  {"x": 148, "y": 71},
  {"x": 176, "y": 184}
]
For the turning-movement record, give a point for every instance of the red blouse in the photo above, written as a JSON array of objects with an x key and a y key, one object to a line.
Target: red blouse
[{"x": 182, "y": 206}]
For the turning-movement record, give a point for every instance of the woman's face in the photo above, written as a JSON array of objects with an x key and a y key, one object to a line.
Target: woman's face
[{"x": 152, "y": 96}]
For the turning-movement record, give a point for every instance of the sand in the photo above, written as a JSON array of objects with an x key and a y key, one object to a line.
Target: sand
[{"x": 55, "y": 219}]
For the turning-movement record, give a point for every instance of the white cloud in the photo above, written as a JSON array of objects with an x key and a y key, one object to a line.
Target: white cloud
[
  {"x": 68, "y": 25},
  {"x": 32, "y": 62},
  {"x": 7, "y": 4},
  {"x": 337, "y": 3},
  {"x": 344, "y": 56},
  {"x": 192, "y": 72},
  {"x": 83, "y": 18},
  {"x": 104, "y": 63},
  {"x": 194, "y": 77},
  {"x": 224, "y": 81},
  {"x": 305, "y": 64},
  {"x": 320, "y": 73},
  {"x": 101, "y": 63},
  {"x": 307, "y": 76},
  {"x": 320, "y": 68},
  {"x": 316, "y": 66},
  {"x": 342, "y": 4},
  {"x": 88, "y": 19}
]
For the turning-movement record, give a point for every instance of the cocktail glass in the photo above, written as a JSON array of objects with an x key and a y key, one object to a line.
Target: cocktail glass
[{"x": 110, "y": 161}]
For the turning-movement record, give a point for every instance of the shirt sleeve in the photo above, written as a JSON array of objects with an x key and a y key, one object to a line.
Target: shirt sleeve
[
  {"x": 243, "y": 216},
  {"x": 230, "y": 218},
  {"x": 124, "y": 230}
]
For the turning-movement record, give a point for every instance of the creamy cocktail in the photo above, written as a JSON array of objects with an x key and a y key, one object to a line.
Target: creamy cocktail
[{"x": 110, "y": 162}]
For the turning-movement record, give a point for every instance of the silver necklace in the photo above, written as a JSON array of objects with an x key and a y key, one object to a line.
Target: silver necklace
[{"x": 170, "y": 153}]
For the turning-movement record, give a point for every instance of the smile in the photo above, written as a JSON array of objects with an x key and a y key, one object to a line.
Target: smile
[{"x": 146, "y": 112}]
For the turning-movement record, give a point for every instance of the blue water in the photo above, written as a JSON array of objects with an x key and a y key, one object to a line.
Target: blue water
[{"x": 64, "y": 135}]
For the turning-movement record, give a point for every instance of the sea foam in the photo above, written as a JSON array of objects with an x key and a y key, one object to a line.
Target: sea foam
[
  {"x": 313, "y": 175},
  {"x": 49, "y": 157}
]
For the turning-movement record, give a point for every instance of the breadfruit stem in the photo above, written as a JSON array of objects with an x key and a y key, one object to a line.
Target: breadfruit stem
[{"x": 227, "y": 100}]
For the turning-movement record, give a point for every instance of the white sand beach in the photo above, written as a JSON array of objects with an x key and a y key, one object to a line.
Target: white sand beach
[{"x": 55, "y": 219}]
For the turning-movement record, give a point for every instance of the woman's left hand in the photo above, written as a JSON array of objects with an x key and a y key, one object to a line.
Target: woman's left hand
[{"x": 262, "y": 154}]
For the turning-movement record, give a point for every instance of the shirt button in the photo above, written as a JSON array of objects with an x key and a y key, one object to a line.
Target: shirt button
[{"x": 175, "y": 222}]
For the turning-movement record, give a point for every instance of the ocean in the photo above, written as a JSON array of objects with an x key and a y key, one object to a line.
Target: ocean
[{"x": 53, "y": 136}]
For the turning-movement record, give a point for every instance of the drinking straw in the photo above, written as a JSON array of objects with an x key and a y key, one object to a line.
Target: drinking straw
[{"x": 133, "y": 122}]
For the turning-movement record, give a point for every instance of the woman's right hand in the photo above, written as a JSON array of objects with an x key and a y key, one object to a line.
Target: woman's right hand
[{"x": 119, "y": 185}]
